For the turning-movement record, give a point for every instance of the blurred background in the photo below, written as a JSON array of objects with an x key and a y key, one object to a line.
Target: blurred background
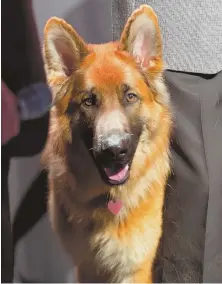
[{"x": 39, "y": 256}]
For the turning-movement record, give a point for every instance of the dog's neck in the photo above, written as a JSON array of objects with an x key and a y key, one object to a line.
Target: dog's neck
[{"x": 100, "y": 201}]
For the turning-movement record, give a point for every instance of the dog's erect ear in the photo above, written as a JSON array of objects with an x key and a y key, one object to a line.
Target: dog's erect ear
[
  {"x": 63, "y": 48},
  {"x": 141, "y": 37}
]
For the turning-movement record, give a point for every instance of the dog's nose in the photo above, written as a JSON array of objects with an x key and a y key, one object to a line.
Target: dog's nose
[{"x": 116, "y": 146}]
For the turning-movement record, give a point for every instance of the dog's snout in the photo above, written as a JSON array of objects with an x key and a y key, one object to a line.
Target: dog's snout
[{"x": 116, "y": 146}]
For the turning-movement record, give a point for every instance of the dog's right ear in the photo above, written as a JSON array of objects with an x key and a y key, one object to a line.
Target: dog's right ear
[
  {"x": 141, "y": 37},
  {"x": 63, "y": 48}
]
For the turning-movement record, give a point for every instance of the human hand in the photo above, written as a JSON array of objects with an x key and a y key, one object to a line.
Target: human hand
[{"x": 10, "y": 114}]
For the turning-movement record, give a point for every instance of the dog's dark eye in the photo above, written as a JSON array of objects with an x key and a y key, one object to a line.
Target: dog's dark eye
[
  {"x": 131, "y": 98},
  {"x": 90, "y": 101}
]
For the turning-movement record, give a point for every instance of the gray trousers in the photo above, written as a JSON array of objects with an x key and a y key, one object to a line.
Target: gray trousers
[{"x": 191, "y": 247}]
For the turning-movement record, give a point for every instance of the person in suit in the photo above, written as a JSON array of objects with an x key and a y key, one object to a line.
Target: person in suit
[{"x": 25, "y": 103}]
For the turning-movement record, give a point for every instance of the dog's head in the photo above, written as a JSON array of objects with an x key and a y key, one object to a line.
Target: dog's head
[{"x": 108, "y": 94}]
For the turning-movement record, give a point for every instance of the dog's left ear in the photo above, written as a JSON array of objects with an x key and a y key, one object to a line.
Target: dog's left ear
[
  {"x": 141, "y": 37},
  {"x": 63, "y": 48}
]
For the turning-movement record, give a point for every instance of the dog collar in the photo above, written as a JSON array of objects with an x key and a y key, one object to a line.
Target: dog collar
[{"x": 100, "y": 201}]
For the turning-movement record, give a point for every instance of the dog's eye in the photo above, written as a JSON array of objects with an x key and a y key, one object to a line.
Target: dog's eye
[
  {"x": 90, "y": 101},
  {"x": 131, "y": 98}
]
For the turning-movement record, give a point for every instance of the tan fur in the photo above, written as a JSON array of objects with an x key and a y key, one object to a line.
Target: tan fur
[{"x": 105, "y": 247}]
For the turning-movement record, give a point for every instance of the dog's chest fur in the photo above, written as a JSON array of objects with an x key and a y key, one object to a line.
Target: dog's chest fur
[
  {"x": 122, "y": 250},
  {"x": 119, "y": 247}
]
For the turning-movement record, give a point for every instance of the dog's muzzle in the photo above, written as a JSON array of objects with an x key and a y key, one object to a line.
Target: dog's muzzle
[{"x": 113, "y": 155}]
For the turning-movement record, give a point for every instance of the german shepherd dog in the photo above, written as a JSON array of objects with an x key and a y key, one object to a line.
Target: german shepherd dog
[{"x": 108, "y": 147}]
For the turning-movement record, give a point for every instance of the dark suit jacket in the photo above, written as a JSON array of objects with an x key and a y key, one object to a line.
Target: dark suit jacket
[{"x": 21, "y": 66}]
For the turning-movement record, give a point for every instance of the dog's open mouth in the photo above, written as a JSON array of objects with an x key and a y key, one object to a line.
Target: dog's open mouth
[{"x": 117, "y": 175}]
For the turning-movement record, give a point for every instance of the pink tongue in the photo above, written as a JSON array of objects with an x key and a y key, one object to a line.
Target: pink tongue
[{"x": 117, "y": 176}]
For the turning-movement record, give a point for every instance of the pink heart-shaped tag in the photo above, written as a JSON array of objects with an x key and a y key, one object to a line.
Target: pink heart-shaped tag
[{"x": 115, "y": 206}]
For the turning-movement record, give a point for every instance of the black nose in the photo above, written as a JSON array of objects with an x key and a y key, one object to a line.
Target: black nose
[{"x": 116, "y": 146}]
